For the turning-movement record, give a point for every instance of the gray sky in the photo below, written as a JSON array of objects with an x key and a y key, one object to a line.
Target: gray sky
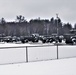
[{"x": 9, "y": 9}]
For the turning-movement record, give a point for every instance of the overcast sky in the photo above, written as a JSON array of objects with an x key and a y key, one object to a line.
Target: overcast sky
[{"x": 66, "y": 9}]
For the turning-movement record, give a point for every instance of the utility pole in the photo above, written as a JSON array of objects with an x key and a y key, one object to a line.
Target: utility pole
[
  {"x": 57, "y": 35},
  {"x": 57, "y": 25}
]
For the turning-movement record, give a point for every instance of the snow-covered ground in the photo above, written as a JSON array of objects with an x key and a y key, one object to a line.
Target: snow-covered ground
[
  {"x": 16, "y": 53},
  {"x": 52, "y": 67},
  {"x": 65, "y": 66},
  {"x": 20, "y": 44}
]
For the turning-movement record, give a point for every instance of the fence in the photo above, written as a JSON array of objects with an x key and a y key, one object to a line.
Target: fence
[{"x": 35, "y": 53}]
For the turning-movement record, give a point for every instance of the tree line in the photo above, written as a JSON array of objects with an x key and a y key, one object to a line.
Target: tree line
[{"x": 21, "y": 27}]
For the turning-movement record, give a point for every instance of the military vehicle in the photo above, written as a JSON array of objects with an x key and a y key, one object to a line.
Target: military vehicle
[
  {"x": 69, "y": 39},
  {"x": 32, "y": 38},
  {"x": 50, "y": 39}
]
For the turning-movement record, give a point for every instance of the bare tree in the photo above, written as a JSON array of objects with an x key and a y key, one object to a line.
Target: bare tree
[
  {"x": 2, "y": 21},
  {"x": 20, "y": 19}
]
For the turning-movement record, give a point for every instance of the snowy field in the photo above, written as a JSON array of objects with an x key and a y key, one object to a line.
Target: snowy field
[
  {"x": 16, "y": 55},
  {"x": 30, "y": 52},
  {"x": 52, "y": 67}
]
